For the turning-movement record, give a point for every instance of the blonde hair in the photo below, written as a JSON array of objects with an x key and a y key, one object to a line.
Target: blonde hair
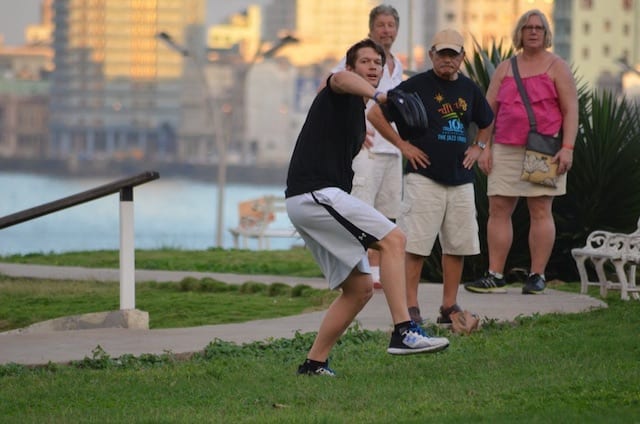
[{"x": 517, "y": 32}]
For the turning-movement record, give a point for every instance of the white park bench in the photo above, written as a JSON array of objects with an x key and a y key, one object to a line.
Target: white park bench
[
  {"x": 620, "y": 250},
  {"x": 258, "y": 220}
]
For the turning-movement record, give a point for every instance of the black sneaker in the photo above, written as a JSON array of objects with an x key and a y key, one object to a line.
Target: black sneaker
[
  {"x": 487, "y": 284},
  {"x": 323, "y": 369},
  {"x": 444, "y": 319},
  {"x": 415, "y": 340},
  {"x": 535, "y": 284}
]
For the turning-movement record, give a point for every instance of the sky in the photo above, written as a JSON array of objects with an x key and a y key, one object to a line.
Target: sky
[{"x": 15, "y": 15}]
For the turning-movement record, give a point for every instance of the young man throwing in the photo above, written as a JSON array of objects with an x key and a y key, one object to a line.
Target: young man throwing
[{"x": 338, "y": 228}]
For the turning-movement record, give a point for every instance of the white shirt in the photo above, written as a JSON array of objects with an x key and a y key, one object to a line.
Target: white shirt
[{"x": 387, "y": 82}]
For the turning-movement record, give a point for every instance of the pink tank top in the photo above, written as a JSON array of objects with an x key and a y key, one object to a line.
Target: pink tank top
[{"x": 512, "y": 123}]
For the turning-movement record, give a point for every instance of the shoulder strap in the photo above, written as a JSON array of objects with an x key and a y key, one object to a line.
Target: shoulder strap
[
  {"x": 551, "y": 64},
  {"x": 523, "y": 94}
]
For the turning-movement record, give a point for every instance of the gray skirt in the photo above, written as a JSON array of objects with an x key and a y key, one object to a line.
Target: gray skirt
[{"x": 504, "y": 179}]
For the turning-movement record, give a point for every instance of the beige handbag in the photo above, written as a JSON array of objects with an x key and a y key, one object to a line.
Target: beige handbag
[{"x": 540, "y": 149}]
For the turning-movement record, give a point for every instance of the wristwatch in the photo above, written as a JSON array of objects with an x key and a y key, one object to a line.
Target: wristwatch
[{"x": 480, "y": 144}]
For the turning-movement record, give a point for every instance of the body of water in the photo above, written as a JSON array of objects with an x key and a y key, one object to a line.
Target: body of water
[{"x": 171, "y": 213}]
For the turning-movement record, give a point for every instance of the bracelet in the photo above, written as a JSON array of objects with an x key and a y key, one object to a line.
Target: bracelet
[
  {"x": 375, "y": 96},
  {"x": 568, "y": 147}
]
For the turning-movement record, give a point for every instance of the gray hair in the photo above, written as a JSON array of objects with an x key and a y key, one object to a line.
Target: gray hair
[
  {"x": 517, "y": 32},
  {"x": 383, "y": 9}
]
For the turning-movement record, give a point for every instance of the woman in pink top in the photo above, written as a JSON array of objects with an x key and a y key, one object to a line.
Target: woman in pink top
[{"x": 552, "y": 91}]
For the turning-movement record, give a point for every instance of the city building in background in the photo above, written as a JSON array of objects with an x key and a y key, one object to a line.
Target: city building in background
[
  {"x": 596, "y": 36},
  {"x": 41, "y": 34},
  {"x": 326, "y": 28},
  {"x": 210, "y": 101},
  {"x": 24, "y": 118},
  {"x": 278, "y": 16},
  {"x": 592, "y": 35},
  {"x": 242, "y": 32},
  {"x": 485, "y": 21},
  {"x": 116, "y": 90},
  {"x": 24, "y": 91},
  {"x": 96, "y": 81},
  {"x": 26, "y": 62}
]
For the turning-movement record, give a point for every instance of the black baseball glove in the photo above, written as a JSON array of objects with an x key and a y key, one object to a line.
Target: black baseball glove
[{"x": 408, "y": 113}]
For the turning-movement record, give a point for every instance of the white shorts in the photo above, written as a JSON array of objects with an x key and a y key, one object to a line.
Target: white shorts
[
  {"x": 431, "y": 209},
  {"x": 337, "y": 228},
  {"x": 377, "y": 180}
]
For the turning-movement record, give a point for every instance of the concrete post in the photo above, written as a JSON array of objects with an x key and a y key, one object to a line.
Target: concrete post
[{"x": 127, "y": 251}]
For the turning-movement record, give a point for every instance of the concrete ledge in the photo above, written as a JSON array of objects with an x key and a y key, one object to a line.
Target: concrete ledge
[{"x": 126, "y": 318}]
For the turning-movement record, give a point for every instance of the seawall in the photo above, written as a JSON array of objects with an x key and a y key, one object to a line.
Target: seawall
[{"x": 118, "y": 169}]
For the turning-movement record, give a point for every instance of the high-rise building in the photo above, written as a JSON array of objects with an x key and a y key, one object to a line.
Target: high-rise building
[
  {"x": 115, "y": 90},
  {"x": 278, "y": 16},
  {"x": 24, "y": 114},
  {"x": 41, "y": 34},
  {"x": 326, "y": 28},
  {"x": 241, "y": 32},
  {"x": 484, "y": 21},
  {"x": 591, "y": 35},
  {"x": 596, "y": 35}
]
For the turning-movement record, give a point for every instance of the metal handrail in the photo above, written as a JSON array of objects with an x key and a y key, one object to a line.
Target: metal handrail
[
  {"x": 76, "y": 199},
  {"x": 127, "y": 250}
]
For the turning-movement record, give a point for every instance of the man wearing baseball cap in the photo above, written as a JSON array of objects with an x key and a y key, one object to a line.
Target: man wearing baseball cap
[
  {"x": 448, "y": 39},
  {"x": 438, "y": 185}
]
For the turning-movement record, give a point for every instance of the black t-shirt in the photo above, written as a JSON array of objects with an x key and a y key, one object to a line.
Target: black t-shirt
[
  {"x": 451, "y": 107},
  {"x": 331, "y": 137}
]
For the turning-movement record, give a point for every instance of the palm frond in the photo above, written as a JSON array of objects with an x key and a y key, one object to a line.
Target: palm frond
[{"x": 482, "y": 64}]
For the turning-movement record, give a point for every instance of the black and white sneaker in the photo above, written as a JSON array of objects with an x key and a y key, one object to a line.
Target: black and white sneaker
[
  {"x": 489, "y": 283},
  {"x": 535, "y": 284},
  {"x": 323, "y": 369},
  {"x": 415, "y": 340}
]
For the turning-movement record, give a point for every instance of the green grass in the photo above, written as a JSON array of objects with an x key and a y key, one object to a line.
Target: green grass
[
  {"x": 191, "y": 302},
  {"x": 577, "y": 368},
  {"x": 296, "y": 262},
  {"x": 574, "y": 368}
]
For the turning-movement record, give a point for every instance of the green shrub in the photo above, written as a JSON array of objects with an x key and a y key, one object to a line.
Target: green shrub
[
  {"x": 300, "y": 290},
  {"x": 189, "y": 284},
  {"x": 214, "y": 286},
  {"x": 252, "y": 287},
  {"x": 279, "y": 289}
]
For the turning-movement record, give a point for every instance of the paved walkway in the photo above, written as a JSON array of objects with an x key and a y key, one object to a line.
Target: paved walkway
[{"x": 65, "y": 346}]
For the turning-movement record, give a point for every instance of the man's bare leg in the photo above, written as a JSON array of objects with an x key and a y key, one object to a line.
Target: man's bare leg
[
  {"x": 357, "y": 289},
  {"x": 392, "y": 274}
]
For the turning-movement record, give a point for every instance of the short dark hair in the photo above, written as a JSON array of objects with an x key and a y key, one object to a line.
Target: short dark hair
[
  {"x": 383, "y": 9},
  {"x": 352, "y": 53}
]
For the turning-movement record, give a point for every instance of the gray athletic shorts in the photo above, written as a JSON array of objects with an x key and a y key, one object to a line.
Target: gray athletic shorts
[{"x": 337, "y": 228}]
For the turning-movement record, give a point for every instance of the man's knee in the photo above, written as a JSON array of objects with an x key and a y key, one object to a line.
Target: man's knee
[
  {"x": 360, "y": 290},
  {"x": 394, "y": 241}
]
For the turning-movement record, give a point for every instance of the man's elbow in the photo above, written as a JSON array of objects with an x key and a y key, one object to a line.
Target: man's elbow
[
  {"x": 374, "y": 114},
  {"x": 339, "y": 82}
]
